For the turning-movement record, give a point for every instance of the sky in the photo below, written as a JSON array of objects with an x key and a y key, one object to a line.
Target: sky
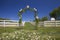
[{"x": 10, "y": 8}]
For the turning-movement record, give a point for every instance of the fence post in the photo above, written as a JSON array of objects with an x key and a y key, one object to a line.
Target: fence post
[
  {"x": 44, "y": 23},
  {"x": 17, "y": 23},
  {"x": 4, "y": 25},
  {"x": 4, "y": 22}
]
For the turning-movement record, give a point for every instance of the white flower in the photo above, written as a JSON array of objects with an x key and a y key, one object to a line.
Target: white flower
[
  {"x": 34, "y": 33},
  {"x": 20, "y": 10},
  {"x": 39, "y": 36},
  {"x": 15, "y": 32},
  {"x": 27, "y": 6},
  {"x": 29, "y": 35},
  {"x": 49, "y": 36},
  {"x": 13, "y": 36},
  {"x": 35, "y": 9},
  {"x": 17, "y": 37},
  {"x": 6, "y": 36}
]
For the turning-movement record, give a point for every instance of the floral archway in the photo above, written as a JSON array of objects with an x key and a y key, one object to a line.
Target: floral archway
[{"x": 31, "y": 9}]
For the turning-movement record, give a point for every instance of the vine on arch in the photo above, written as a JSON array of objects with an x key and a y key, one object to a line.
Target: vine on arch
[{"x": 31, "y": 9}]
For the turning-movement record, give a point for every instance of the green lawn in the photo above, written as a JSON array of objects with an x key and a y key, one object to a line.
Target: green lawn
[{"x": 50, "y": 31}]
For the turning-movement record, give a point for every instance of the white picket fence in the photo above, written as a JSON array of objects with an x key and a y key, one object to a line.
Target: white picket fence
[
  {"x": 9, "y": 23},
  {"x": 48, "y": 24},
  {"x": 14, "y": 23},
  {"x": 51, "y": 23}
]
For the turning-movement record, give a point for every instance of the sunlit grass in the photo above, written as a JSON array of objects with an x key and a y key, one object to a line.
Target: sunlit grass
[{"x": 54, "y": 32}]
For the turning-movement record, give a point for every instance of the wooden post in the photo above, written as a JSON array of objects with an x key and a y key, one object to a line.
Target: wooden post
[
  {"x": 4, "y": 25},
  {"x": 4, "y": 22}
]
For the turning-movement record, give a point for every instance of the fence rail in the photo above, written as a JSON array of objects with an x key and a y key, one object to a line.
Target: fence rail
[
  {"x": 52, "y": 23},
  {"x": 14, "y": 23},
  {"x": 48, "y": 24},
  {"x": 9, "y": 23}
]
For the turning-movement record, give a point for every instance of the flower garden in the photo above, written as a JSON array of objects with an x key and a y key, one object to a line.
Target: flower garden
[
  {"x": 28, "y": 33},
  {"x": 25, "y": 35}
]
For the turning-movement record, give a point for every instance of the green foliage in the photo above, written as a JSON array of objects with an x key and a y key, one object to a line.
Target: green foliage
[
  {"x": 44, "y": 19},
  {"x": 55, "y": 13},
  {"x": 23, "y": 10},
  {"x": 36, "y": 23},
  {"x": 41, "y": 33},
  {"x": 7, "y": 29},
  {"x": 20, "y": 20},
  {"x": 4, "y": 19}
]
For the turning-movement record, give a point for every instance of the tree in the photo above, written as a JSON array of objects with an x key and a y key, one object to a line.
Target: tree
[
  {"x": 4, "y": 19},
  {"x": 55, "y": 13},
  {"x": 38, "y": 20},
  {"x": 44, "y": 18}
]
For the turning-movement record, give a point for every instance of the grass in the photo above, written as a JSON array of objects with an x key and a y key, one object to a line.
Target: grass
[
  {"x": 7, "y": 29},
  {"x": 29, "y": 26},
  {"x": 53, "y": 31}
]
